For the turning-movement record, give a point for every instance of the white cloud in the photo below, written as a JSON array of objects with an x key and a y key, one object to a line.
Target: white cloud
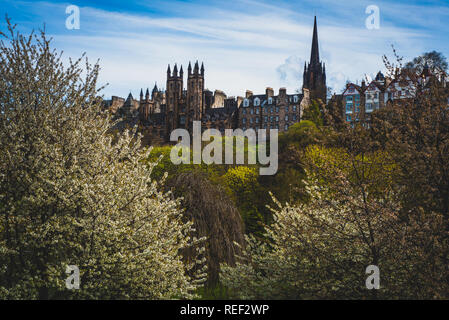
[{"x": 266, "y": 46}]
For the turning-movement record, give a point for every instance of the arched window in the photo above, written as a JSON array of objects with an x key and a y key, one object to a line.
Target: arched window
[
  {"x": 270, "y": 100},
  {"x": 295, "y": 99},
  {"x": 246, "y": 103},
  {"x": 257, "y": 102}
]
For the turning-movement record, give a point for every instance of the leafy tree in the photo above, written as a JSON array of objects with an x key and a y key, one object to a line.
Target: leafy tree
[
  {"x": 215, "y": 218},
  {"x": 249, "y": 196},
  {"x": 321, "y": 249},
  {"x": 436, "y": 61},
  {"x": 313, "y": 113},
  {"x": 69, "y": 195}
]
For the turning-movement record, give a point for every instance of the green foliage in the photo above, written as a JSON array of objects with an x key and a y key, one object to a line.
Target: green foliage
[
  {"x": 313, "y": 113},
  {"x": 248, "y": 195}
]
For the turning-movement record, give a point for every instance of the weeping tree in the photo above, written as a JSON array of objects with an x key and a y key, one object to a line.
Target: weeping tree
[
  {"x": 70, "y": 194},
  {"x": 214, "y": 216}
]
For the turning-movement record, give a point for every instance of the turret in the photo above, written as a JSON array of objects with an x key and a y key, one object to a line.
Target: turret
[
  {"x": 196, "y": 68},
  {"x": 175, "y": 71}
]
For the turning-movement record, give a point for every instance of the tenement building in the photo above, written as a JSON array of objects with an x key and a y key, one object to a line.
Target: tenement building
[
  {"x": 158, "y": 113},
  {"x": 360, "y": 101}
]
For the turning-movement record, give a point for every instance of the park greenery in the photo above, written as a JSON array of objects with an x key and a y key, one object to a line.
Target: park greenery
[{"x": 74, "y": 191}]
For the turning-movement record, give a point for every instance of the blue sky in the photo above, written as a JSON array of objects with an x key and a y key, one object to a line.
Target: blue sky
[{"x": 245, "y": 44}]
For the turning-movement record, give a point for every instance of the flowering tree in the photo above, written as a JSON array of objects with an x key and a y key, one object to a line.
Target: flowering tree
[
  {"x": 71, "y": 194},
  {"x": 354, "y": 219}
]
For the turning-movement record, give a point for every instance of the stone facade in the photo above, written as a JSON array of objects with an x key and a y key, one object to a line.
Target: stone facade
[{"x": 177, "y": 107}]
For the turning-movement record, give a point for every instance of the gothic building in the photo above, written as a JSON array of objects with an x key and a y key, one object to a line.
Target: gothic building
[
  {"x": 314, "y": 78},
  {"x": 178, "y": 106}
]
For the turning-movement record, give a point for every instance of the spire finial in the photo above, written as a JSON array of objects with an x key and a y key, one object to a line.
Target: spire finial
[
  {"x": 315, "y": 54},
  {"x": 175, "y": 70}
]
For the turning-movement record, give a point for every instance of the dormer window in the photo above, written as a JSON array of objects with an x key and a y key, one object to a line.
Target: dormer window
[
  {"x": 295, "y": 99},
  {"x": 257, "y": 102},
  {"x": 246, "y": 103},
  {"x": 270, "y": 100}
]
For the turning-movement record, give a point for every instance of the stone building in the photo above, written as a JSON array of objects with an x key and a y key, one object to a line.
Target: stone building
[{"x": 158, "y": 114}]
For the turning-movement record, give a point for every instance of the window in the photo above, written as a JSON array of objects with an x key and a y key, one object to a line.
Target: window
[
  {"x": 286, "y": 109},
  {"x": 244, "y": 120},
  {"x": 246, "y": 103},
  {"x": 277, "y": 109},
  {"x": 294, "y": 117},
  {"x": 251, "y": 111},
  {"x": 271, "y": 109},
  {"x": 250, "y": 120},
  {"x": 244, "y": 111},
  {"x": 294, "y": 108},
  {"x": 349, "y": 99},
  {"x": 257, "y": 102},
  {"x": 348, "y": 107},
  {"x": 271, "y": 119},
  {"x": 286, "y": 118},
  {"x": 295, "y": 99},
  {"x": 270, "y": 100},
  {"x": 277, "y": 118},
  {"x": 266, "y": 119},
  {"x": 348, "y": 118},
  {"x": 257, "y": 110},
  {"x": 257, "y": 120},
  {"x": 286, "y": 127}
]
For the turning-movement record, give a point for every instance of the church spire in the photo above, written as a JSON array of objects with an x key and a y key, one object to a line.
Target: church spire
[
  {"x": 314, "y": 77},
  {"x": 315, "y": 54}
]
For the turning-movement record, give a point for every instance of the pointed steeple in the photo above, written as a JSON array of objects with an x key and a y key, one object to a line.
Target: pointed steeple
[
  {"x": 175, "y": 71},
  {"x": 168, "y": 71},
  {"x": 147, "y": 94},
  {"x": 315, "y": 54},
  {"x": 202, "y": 69},
  {"x": 181, "y": 72},
  {"x": 141, "y": 94},
  {"x": 129, "y": 99},
  {"x": 314, "y": 77},
  {"x": 196, "y": 68},
  {"x": 189, "y": 68}
]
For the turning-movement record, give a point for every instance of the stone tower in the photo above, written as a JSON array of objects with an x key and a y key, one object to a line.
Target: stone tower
[
  {"x": 314, "y": 78},
  {"x": 195, "y": 90},
  {"x": 173, "y": 98}
]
